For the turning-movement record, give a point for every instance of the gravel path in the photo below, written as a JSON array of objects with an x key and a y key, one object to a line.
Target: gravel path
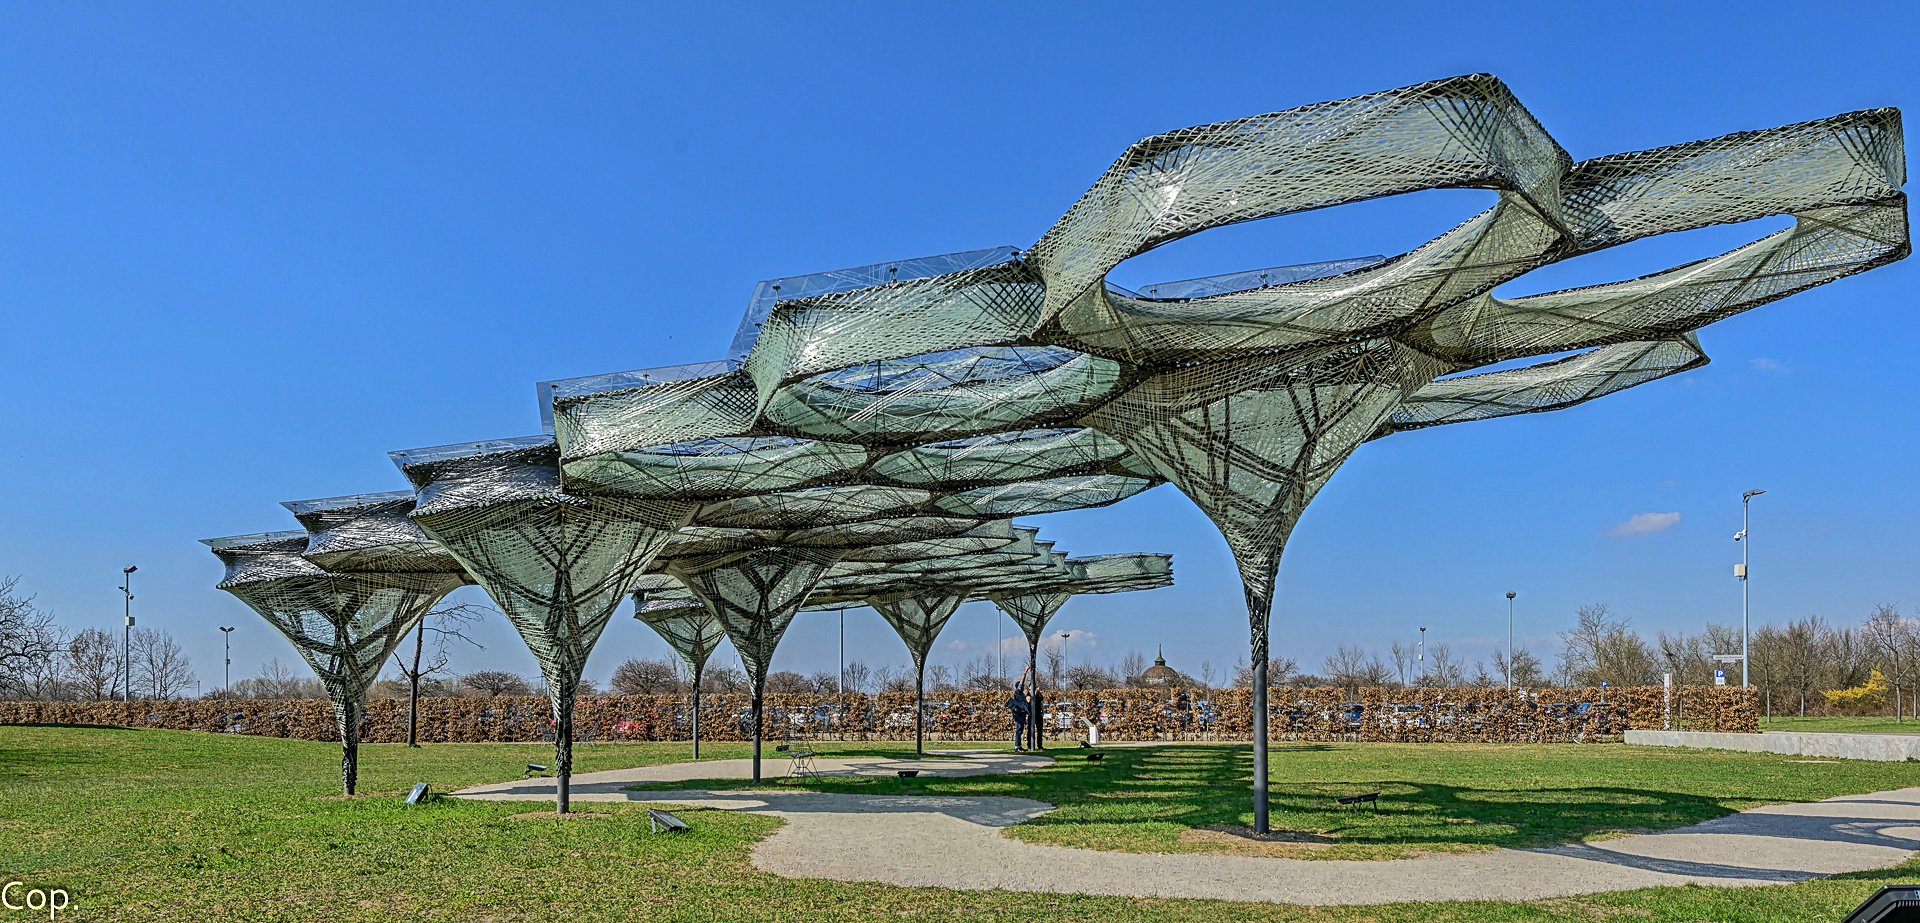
[{"x": 956, "y": 843}]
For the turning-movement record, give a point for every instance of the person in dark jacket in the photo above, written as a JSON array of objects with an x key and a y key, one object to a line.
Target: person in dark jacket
[{"x": 1021, "y": 713}]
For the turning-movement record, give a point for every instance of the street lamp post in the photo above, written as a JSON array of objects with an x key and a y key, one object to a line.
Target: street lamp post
[
  {"x": 1063, "y": 647},
  {"x": 1422, "y": 655},
  {"x": 126, "y": 635},
  {"x": 227, "y": 687},
  {"x": 1510, "y": 595},
  {"x": 1746, "y": 550}
]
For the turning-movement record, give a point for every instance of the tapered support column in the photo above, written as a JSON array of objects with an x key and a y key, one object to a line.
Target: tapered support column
[
  {"x": 920, "y": 708},
  {"x": 1033, "y": 695},
  {"x": 348, "y": 713},
  {"x": 759, "y": 722},
  {"x": 1032, "y": 611},
  {"x": 1258, "y": 609},
  {"x": 343, "y": 624},
  {"x": 693, "y": 633},
  {"x": 563, "y": 747},
  {"x": 556, "y": 564},
  {"x": 696, "y": 712},
  {"x": 918, "y": 618},
  {"x": 753, "y": 595}
]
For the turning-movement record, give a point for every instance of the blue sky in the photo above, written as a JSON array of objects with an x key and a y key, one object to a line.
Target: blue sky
[{"x": 246, "y": 249}]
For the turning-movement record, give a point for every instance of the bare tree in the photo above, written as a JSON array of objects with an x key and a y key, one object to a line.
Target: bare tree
[
  {"x": 497, "y": 683},
  {"x": 1088, "y": 676},
  {"x": 1803, "y": 648},
  {"x": 1207, "y": 673},
  {"x": 1279, "y": 671},
  {"x": 1526, "y": 668},
  {"x": 278, "y": 681},
  {"x": 723, "y": 678},
  {"x": 645, "y": 677},
  {"x": 1131, "y": 666},
  {"x": 786, "y": 682},
  {"x": 93, "y": 665},
  {"x": 29, "y": 640},
  {"x": 1351, "y": 667},
  {"x": 1443, "y": 671},
  {"x": 1895, "y": 643},
  {"x": 857, "y": 676},
  {"x": 940, "y": 677},
  {"x": 1402, "y": 656},
  {"x": 1052, "y": 659},
  {"x": 823, "y": 682},
  {"x": 160, "y": 668},
  {"x": 1601, "y": 648},
  {"x": 898, "y": 680},
  {"x": 980, "y": 673},
  {"x": 446, "y": 622}
]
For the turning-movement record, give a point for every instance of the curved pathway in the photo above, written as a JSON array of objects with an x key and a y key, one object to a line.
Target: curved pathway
[{"x": 892, "y": 839}]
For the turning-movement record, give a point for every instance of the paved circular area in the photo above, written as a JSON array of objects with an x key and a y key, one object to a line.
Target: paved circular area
[
  {"x": 956, "y": 843},
  {"x": 611, "y": 784}
]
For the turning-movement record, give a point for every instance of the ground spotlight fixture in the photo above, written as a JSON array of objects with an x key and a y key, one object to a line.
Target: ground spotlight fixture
[
  {"x": 661, "y": 820},
  {"x": 419, "y": 794},
  {"x": 908, "y": 773},
  {"x": 1096, "y": 757},
  {"x": 1891, "y": 904},
  {"x": 533, "y": 768}
]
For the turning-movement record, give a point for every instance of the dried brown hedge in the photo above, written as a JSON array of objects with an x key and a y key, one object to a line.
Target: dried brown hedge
[{"x": 1493, "y": 715}]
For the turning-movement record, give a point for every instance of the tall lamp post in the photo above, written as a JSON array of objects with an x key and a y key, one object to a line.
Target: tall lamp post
[
  {"x": 1510, "y": 595},
  {"x": 1746, "y": 550},
  {"x": 126, "y": 635},
  {"x": 227, "y": 687},
  {"x": 1063, "y": 648},
  {"x": 1422, "y": 655}
]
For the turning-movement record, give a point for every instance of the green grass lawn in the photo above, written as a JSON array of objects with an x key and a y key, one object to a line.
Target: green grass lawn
[
  {"x": 1841, "y": 725},
  {"x": 161, "y": 825}
]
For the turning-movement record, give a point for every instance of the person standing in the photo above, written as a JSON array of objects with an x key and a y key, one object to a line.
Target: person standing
[{"x": 1021, "y": 713}]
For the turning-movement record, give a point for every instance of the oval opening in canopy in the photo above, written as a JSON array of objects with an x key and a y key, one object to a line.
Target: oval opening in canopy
[
  {"x": 1386, "y": 226},
  {"x": 1643, "y": 257}
]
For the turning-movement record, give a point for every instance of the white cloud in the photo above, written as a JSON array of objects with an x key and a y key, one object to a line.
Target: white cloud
[
  {"x": 1767, "y": 364},
  {"x": 1645, "y": 523}
]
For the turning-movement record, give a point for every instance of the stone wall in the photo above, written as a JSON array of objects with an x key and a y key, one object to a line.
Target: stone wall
[{"x": 1884, "y": 747}]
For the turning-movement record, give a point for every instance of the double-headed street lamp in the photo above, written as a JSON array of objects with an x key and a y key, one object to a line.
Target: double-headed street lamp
[
  {"x": 1746, "y": 548},
  {"x": 126, "y": 635},
  {"x": 229, "y": 634},
  {"x": 1421, "y": 656}
]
